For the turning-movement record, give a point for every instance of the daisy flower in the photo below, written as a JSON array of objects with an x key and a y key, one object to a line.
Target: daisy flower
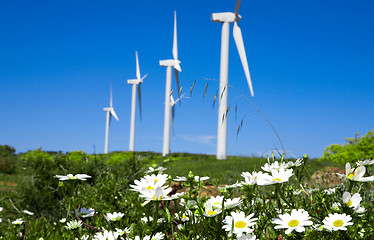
[
  {"x": 85, "y": 212},
  {"x": 28, "y": 212},
  {"x": 157, "y": 194},
  {"x": 157, "y": 236},
  {"x": 336, "y": 221},
  {"x": 231, "y": 203},
  {"x": 250, "y": 178},
  {"x": 247, "y": 237},
  {"x": 273, "y": 166},
  {"x": 297, "y": 163},
  {"x": 216, "y": 201},
  {"x": 114, "y": 216},
  {"x": 277, "y": 176},
  {"x": 238, "y": 223},
  {"x": 82, "y": 177},
  {"x": 365, "y": 162},
  {"x": 73, "y": 224},
  {"x": 356, "y": 174},
  {"x": 210, "y": 211},
  {"x": 159, "y": 169},
  {"x": 352, "y": 201},
  {"x": 19, "y": 221},
  {"x": 297, "y": 221},
  {"x": 106, "y": 235},
  {"x": 1, "y": 209},
  {"x": 63, "y": 220}
]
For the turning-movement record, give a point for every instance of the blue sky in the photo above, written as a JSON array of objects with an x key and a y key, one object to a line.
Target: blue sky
[{"x": 311, "y": 64}]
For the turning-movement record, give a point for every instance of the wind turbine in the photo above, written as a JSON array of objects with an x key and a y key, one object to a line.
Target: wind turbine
[
  {"x": 109, "y": 113},
  {"x": 136, "y": 83},
  {"x": 226, "y": 18},
  {"x": 169, "y": 64}
]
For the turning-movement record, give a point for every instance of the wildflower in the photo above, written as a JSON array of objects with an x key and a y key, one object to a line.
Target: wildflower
[
  {"x": 114, "y": 216},
  {"x": 297, "y": 221},
  {"x": 184, "y": 216},
  {"x": 1, "y": 220},
  {"x": 216, "y": 202},
  {"x": 196, "y": 178},
  {"x": 250, "y": 178},
  {"x": 352, "y": 201},
  {"x": 210, "y": 211},
  {"x": 1, "y": 209},
  {"x": 356, "y": 174},
  {"x": 106, "y": 235},
  {"x": 274, "y": 166},
  {"x": 85, "y": 237},
  {"x": 297, "y": 163},
  {"x": 247, "y": 237},
  {"x": 231, "y": 203},
  {"x": 82, "y": 177},
  {"x": 157, "y": 236},
  {"x": 63, "y": 220},
  {"x": 157, "y": 194},
  {"x": 19, "y": 221},
  {"x": 28, "y": 212},
  {"x": 329, "y": 191},
  {"x": 159, "y": 169},
  {"x": 238, "y": 223},
  {"x": 84, "y": 212},
  {"x": 336, "y": 221},
  {"x": 276, "y": 177},
  {"x": 73, "y": 224},
  {"x": 365, "y": 162},
  {"x": 335, "y": 206},
  {"x": 149, "y": 182}
]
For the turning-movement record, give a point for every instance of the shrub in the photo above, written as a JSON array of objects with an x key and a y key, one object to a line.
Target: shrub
[
  {"x": 7, "y": 159},
  {"x": 356, "y": 148}
]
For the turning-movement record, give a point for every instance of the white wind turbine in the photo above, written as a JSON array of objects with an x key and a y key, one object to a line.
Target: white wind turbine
[
  {"x": 136, "y": 83},
  {"x": 171, "y": 63},
  {"x": 109, "y": 113},
  {"x": 172, "y": 104},
  {"x": 226, "y": 18}
]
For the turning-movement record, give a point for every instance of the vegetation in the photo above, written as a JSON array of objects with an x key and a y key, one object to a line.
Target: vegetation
[
  {"x": 356, "y": 148},
  {"x": 53, "y": 202}
]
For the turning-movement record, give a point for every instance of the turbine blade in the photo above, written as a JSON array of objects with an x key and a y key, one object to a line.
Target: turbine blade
[
  {"x": 172, "y": 100},
  {"x": 240, "y": 45},
  {"x": 177, "y": 80},
  {"x": 137, "y": 66},
  {"x": 140, "y": 100},
  {"x": 111, "y": 98},
  {"x": 112, "y": 112},
  {"x": 144, "y": 76},
  {"x": 193, "y": 85},
  {"x": 237, "y": 6},
  {"x": 175, "y": 43}
]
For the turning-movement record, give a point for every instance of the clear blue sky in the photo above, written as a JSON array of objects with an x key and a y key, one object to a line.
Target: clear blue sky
[{"x": 311, "y": 64}]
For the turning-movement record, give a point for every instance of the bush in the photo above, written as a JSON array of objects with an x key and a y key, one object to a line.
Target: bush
[
  {"x": 7, "y": 159},
  {"x": 356, "y": 148}
]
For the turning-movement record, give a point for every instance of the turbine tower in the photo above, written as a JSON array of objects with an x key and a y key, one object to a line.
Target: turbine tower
[
  {"x": 169, "y": 64},
  {"x": 136, "y": 83},
  {"x": 226, "y": 18},
  {"x": 109, "y": 113}
]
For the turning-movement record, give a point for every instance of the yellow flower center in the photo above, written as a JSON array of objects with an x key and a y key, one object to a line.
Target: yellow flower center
[
  {"x": 149, "y": 188},
  {"x": 276, "y": 179},
  {"x": 293, "y": 223},
  {"x": 210, "y": 213},
  {"x": 338, "y": 223},
  {"x": 350, "y": 176},
  {"x": 154, "y": 197},
  {"x": 184, "y": 217},
  {"x": 216, "y": 203},
  {"x": 240, "y": 224},
  {"x": 349, "y": 203},
  {"x": 156, "y": 180}
]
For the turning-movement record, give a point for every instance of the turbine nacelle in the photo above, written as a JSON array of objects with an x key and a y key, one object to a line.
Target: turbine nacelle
[
  {"x": 225, "y": 17},
  {"x": 134, "y": 81},
  {"x": 108, "y": 109},
  {"x": 170, "y": 63}
]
